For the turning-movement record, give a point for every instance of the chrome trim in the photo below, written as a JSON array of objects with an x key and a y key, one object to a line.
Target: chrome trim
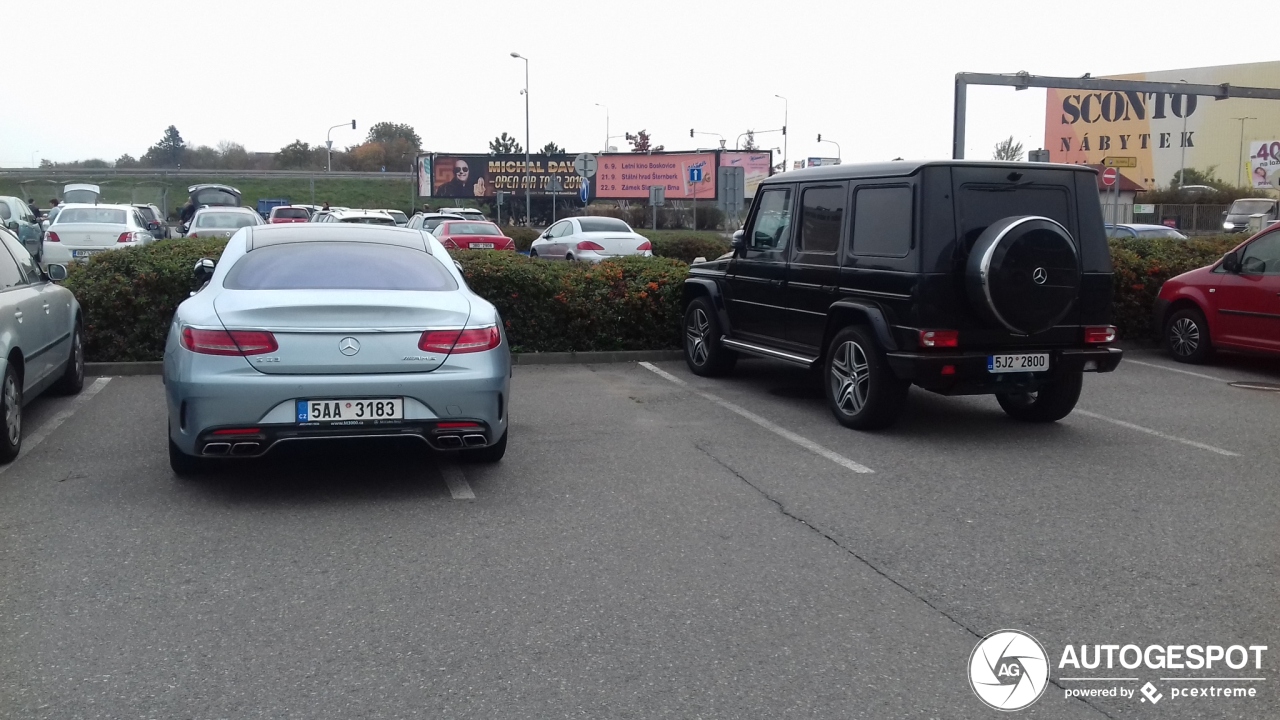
[
  {"x": 344, "y": 331},
  {"x": 984, "y": 269},
  {"x": 807, "y": 312},
  {"x": 793, "y": 283},
  {"x": 749, "y": 302},
  {"x": 767, "y": 352},
  {"x": 875, "y": 293}
]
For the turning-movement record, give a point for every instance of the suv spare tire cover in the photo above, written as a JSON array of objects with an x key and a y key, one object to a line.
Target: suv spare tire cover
[{"x": 1024, "y": 273}]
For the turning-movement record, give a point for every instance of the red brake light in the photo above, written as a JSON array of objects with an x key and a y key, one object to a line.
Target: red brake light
[
  {"x": 222, "y": 342},
  {"x": 465, "y": 341},
  {"x": 588, "y": 245},
  {"x": 125, "y": 237},
  {"x": 939, "y": 338},
  {"x": 1100, "y": 334},
  {"x": 53, "y": 237},
  {"x": 449, "y": 243},
  {"x": 457, "y": 425},
  {"x": 646, "y": 245}
]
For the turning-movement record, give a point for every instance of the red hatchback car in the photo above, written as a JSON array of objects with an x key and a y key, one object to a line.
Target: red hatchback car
[
  {"x": 1233, "y": 304},
  {"x": 288, "y": 214},
  {"x": 472, "y": 235}
]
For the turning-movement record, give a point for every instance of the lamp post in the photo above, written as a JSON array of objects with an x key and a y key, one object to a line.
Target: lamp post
[
  {"x": 606, "y": 126},
  {"x": 1240, "y": 159},
  {"x": 693, "y": 132},
  {"x": 528, "y": 205},
  {"x": 33, "y": 156},
  {"x": 329, "y": 143},
  {"x": 785, "y": 110},
  {"x": 833, "y": 142}
]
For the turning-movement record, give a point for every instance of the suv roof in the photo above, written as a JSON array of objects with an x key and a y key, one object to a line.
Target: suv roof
[{"x": 901, "y": 168}]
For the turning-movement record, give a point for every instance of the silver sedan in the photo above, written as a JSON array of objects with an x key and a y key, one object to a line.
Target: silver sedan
[
  {"x": 308, "y": 332},
  {"x": 41, "y": 338},
  {"x": 590, "y": 239}
]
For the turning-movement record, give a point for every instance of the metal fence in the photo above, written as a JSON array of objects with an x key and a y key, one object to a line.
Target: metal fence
[{"x": 1189, "y": 219}]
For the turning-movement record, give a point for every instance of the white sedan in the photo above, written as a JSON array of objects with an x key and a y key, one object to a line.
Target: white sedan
[
  {"x": 590, "y": 239},
  {"x": 80, "y": 231}
]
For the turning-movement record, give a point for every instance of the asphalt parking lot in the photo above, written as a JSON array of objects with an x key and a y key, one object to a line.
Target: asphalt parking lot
[{"x": 654, "y": 545}]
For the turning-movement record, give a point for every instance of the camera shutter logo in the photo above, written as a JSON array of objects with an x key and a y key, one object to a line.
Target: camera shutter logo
[{"x": 1008, "y": 670}]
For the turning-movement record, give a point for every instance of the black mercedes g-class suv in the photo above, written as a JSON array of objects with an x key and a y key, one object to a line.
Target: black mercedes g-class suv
[{"x": 960, "y": 277}]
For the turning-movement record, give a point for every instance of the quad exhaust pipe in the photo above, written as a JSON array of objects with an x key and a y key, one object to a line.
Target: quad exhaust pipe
[
  {"x": 474, "y": 440},
  {"x": 453, "y": 442}
]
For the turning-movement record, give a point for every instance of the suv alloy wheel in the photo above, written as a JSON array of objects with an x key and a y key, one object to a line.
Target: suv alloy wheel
[
  {"x": 861, "y": 390},
  {"x": 703, "y": 352}
]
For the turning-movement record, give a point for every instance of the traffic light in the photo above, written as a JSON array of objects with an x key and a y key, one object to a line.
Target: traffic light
[
  {"x": 784, "y": 129},
  {"x": 690, "y": 132},
  {"x": 819, "y": 137}
]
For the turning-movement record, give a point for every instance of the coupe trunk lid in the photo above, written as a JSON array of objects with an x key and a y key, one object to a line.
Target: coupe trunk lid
[
  {"x": 614, "y": 243},
  {"x": 343, "y": 332}
]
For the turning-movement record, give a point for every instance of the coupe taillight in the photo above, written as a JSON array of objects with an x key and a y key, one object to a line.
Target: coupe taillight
[
  {"x": 460, "y": 341},
  {"x": 1099, "y": 334},
  {"x": 125, "y": 237},
  {"x": 53, "y": 237},
  {"x": 588, "y": 245},
  {"x": 223, "y": 342},
  {"x": 646, "y": 245},
  {"x": 449, "y": 244},
  {"x": 939, "y": 338}
]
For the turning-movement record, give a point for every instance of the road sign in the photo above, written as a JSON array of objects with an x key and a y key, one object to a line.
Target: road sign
[
  {"x": 1120, "y": 162},
  {"x": 1109, "y": 176},
  {"x": 584, "y": 194},
  {"x": 657, "y": 195},
  {"x": 695, "y": 175},
  {"x": 585, "y": 165}
]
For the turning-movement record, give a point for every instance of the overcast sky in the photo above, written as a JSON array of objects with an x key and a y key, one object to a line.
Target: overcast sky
[{"x": 876, "y": 76}]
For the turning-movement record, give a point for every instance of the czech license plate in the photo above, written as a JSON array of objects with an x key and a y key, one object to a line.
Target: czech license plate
[
  {"x": 328, "y": 411},
  {"x": 1035, "y": 362},
  {"x": 481, "y": 246},
  {"x": 83, "y": 253}
]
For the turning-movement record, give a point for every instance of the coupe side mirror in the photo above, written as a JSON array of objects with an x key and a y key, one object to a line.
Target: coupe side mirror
[
  {"x": 203, "y": 271},
  {"x": 1231, "y": 262},
  {"x": 56, "y": 272}
]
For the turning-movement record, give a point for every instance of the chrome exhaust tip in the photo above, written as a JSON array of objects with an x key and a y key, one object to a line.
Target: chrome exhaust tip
[
  {"x": 449, "y": 441},
  {"x": 218, "y": 448},
  {"x": 245, "y": 448},
  {"x": 475, "y": 440}
]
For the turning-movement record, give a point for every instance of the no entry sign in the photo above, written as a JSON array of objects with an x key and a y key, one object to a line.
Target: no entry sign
[{"x": 1109, "y": 176}]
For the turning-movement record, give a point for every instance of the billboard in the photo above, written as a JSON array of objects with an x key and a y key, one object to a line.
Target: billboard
[
  {"x": 482, "y": 176},
  {"x": 820, "y": 161},
  {"x": 756, "y": 167},
  {"x": 1157, "y": 132},
  {"x": 627, "y": 176},
  {"x": 1264, "y": 163}
]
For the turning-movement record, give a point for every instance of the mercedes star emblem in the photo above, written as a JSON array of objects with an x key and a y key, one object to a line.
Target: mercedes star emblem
[
  {"x": 349, "y": 346},
  {"x": 1039, "y": 275}
]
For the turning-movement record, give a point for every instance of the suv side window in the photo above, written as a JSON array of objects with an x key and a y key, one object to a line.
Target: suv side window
[
  {"x": 10, "y": 275},
  {"x": 771, "y": 225},
  {"x": 1262, "y": 256},
  {"x": 883, "y": 221},
  {"x": 821, "y": 219},
  {"x": 25, "y": 264}
]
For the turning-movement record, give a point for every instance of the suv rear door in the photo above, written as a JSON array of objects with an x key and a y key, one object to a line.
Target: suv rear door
[
  {"x": 754, "y": 282},
  {"x": 814, "y": 273}
]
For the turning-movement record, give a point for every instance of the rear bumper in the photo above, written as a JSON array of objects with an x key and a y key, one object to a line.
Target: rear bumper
[{"x": 968, "y": 374}]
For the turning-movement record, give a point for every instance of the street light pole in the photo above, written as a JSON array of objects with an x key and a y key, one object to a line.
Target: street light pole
[
  {"x": 606, "y": 126},
  {"x": 1240, "y": 158},
  {"x": 329, "y": 143},
  {"x": 786, "y": 105},
  {"x": 33, "y": 156},
  {"x": 1182, "y": 169},
  {"x": 528, "y": 205},
  {"x": 833, "y": 142}
]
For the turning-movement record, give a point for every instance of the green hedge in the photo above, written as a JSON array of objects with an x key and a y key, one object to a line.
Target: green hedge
[{"x": 129, "y": 296}]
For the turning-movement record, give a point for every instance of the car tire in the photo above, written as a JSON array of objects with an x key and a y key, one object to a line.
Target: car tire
[
  {"x": 10, "y": 414},
  {"x": 1186, "y": 337},
  {"x": 703, "y": 352},
  {"x": 1050, "y": 403},
  {"x": 184, "y": 465},
  {"x": 533, "y": 253},
  {"x": 488, "y": 455},
  {"x": 72, "y": 380},
  {"x": 860, "y": 387}
]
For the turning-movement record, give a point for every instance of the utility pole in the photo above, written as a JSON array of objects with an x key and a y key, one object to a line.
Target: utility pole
[
  {"x": 1182, "y": 169},
  {"x": 1240, "y": 159},
  {"x": 528, "y": 205}
]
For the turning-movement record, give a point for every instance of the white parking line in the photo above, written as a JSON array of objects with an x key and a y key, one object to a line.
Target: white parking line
[
  {"x": 801, "y": 441},
  {"x": 30, "y": 442},
  {"x": 1171, "y": 369},
  {"x": 457, "y": 482},
  {"x": 1157, "y": 433}
]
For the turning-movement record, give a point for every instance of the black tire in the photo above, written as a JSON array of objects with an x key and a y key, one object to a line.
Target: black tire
[
  {"x": 860, "y": 387},
  {"x": 10, "y": 415},
  {"x": 1186, "y": 337},
  {"x": 184, "y": 465},
  {"x": 1023, "y": 274},
  {"x": 533, "y": 253},
  {"x": 72, "y": 380},
  {"x": 1050, "y": 403},
  {"x": 488, "y": 455},
  {"x": 703, "y": 352}
]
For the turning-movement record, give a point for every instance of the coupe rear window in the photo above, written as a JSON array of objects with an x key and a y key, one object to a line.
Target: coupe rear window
[
  {"x": 338, "y": 266},
  {"x": 471, "y": 228},
  {"x": 92, "y": 215},
  {"x": 291, "y": 213},
  {"x": 371, "y": 220},
  {"x": 603, "y": 224},
  {"x": 225, "y": 220}
]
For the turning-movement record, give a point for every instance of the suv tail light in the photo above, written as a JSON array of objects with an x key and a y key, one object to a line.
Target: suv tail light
[
  {"x": 939, "y": 338},
  {"x": 588, "y": 245},
  {"x": 234, "y": 342},
  {"x": 646, "y": 245},
  {"x": 1099, "y": 334},
  {"x": 53, "y": 237},
  {"x": 465, "y": 341}
]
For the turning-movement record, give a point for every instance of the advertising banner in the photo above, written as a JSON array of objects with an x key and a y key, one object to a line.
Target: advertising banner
[
  {"x": 756, "y": 167},
  {"x": 482, "y": 176},
  {"x": 627, "y": 176},
  {"x": 1264, "y": 163}
]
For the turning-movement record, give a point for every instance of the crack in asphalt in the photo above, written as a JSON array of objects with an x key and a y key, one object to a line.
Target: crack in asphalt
[{"x": 783, "y": 509}]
